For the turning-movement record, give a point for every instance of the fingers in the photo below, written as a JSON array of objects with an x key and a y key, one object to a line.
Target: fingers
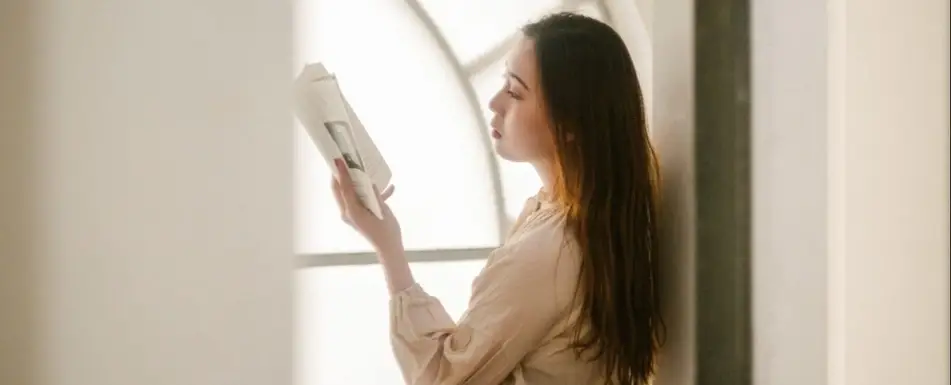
[
  {"x": 338, "y": 197},
  {"x": 343, "y": 174},
  {"x": 345, "y": 184},
  {"x": 346, "y": 197},
  {"x": 379, "y": 198},
  {"x": 387, "y": 193}
]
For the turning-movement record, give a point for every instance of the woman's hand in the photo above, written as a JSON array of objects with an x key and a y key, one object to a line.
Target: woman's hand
[{"x": 384, "y": 234}]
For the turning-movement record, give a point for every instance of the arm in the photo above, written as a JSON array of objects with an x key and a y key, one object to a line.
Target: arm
[
  {"x": 384, "y": 234},
  {"x": 513, "y": 306},
  {"x": 511, "y": 310}
]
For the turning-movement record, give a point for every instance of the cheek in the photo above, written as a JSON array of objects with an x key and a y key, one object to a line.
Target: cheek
[
  {"x": 527, "y": 132},
  {"x": 524, "y": 119}
]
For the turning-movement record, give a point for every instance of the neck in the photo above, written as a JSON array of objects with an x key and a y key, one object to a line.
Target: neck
[{"x": 546, "y": 174}]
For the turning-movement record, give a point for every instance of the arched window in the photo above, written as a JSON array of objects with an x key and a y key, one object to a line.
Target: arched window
[{"x": 419, "y": 74}]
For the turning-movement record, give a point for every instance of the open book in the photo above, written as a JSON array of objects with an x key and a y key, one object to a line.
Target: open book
[{"x": 337, "y": 132}]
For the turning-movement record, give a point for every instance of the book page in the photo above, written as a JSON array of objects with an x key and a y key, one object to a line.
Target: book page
[
  {"x": 376, "y": 166},
  {"x": 329, "y": 121},
  {"x": 374, "y": 163},
  {"x": 308, "y": 107}
]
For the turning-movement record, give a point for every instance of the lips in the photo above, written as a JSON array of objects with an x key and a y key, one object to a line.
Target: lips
[{"x": 493, "y": 124}]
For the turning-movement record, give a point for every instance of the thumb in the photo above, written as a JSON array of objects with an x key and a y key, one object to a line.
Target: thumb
[{"x": 384, "y": 208}]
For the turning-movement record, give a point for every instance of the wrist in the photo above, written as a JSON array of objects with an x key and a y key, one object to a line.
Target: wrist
[
  {"x": 396, "y": 268},
  {"x": 393, "y": 251}
]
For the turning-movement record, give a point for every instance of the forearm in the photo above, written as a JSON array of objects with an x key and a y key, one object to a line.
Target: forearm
[{"x": 396, "y": 269}]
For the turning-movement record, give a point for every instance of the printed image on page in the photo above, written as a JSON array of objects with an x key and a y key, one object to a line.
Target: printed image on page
[
  {"x": 373, "y": 161},
  {"x": 342, "y": 136},
  {"x": 345, "y": 143}
]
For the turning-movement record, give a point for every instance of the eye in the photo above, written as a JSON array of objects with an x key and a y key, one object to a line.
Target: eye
[{"x": 508, "y": 89}]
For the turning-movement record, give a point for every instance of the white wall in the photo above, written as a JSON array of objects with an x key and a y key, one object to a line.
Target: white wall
[
  {"x": 673, "y": 134},
  {"x": 851, "y": 192},
  {"x": 790, "y": 205},
  {"x": 633, "y": 21},
  {"x": 891, "y": 205},
  {"x": 161, "y": 251}
]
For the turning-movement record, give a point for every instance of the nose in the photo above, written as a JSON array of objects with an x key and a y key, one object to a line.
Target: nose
[{"x": 495, "y": 104}]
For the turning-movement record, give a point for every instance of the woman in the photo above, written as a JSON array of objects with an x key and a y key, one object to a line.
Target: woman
[{"x": 571, "y": 296}]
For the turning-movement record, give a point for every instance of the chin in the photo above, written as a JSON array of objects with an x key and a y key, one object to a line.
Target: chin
[
  {"x": 500, "y": 149},
  {"x": 505, "y": 157},
  {"x": 508, "y": 155}
]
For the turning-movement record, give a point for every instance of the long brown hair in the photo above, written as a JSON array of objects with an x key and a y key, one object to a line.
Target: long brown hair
[{"x": 608, "y": 180}]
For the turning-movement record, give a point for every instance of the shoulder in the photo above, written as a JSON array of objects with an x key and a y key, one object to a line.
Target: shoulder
[
  {"x": 542, "y": 259},
  {"x": 544, "y": 237}
]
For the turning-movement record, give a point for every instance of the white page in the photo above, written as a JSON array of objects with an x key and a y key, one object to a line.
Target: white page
[
  {"x": 374, "y": 163},
  {"x": 336, "y": 131}
]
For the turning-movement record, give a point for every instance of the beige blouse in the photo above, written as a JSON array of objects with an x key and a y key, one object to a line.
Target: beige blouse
[{"x": 517, "y": 329}]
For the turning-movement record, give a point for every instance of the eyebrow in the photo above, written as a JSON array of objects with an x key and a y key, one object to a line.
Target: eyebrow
[{"x": 517, "y": 78}]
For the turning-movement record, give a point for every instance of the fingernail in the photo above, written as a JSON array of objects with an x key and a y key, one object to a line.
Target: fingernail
[{"x": 338, "y": 161}]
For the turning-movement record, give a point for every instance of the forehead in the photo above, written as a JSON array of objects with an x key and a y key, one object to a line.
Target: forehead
[{"x": 521, "y": 60}]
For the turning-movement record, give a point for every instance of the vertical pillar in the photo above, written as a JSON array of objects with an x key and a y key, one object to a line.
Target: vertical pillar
[{"x": 145, "y": 192}]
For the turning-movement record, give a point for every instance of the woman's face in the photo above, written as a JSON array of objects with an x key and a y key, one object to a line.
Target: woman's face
[{"x": 520, "y": 126}]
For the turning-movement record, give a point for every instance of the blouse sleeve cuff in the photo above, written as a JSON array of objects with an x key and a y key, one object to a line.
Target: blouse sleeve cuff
[
  {"x": 413, "y": 291},
  {"x": 416, "y": 314}
]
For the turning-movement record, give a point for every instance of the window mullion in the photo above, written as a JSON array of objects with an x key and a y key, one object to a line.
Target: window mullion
[{"x": 413, "y": 256}]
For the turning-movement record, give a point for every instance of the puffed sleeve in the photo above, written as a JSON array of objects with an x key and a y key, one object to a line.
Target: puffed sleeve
[{"x": 516, "y": 300}]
